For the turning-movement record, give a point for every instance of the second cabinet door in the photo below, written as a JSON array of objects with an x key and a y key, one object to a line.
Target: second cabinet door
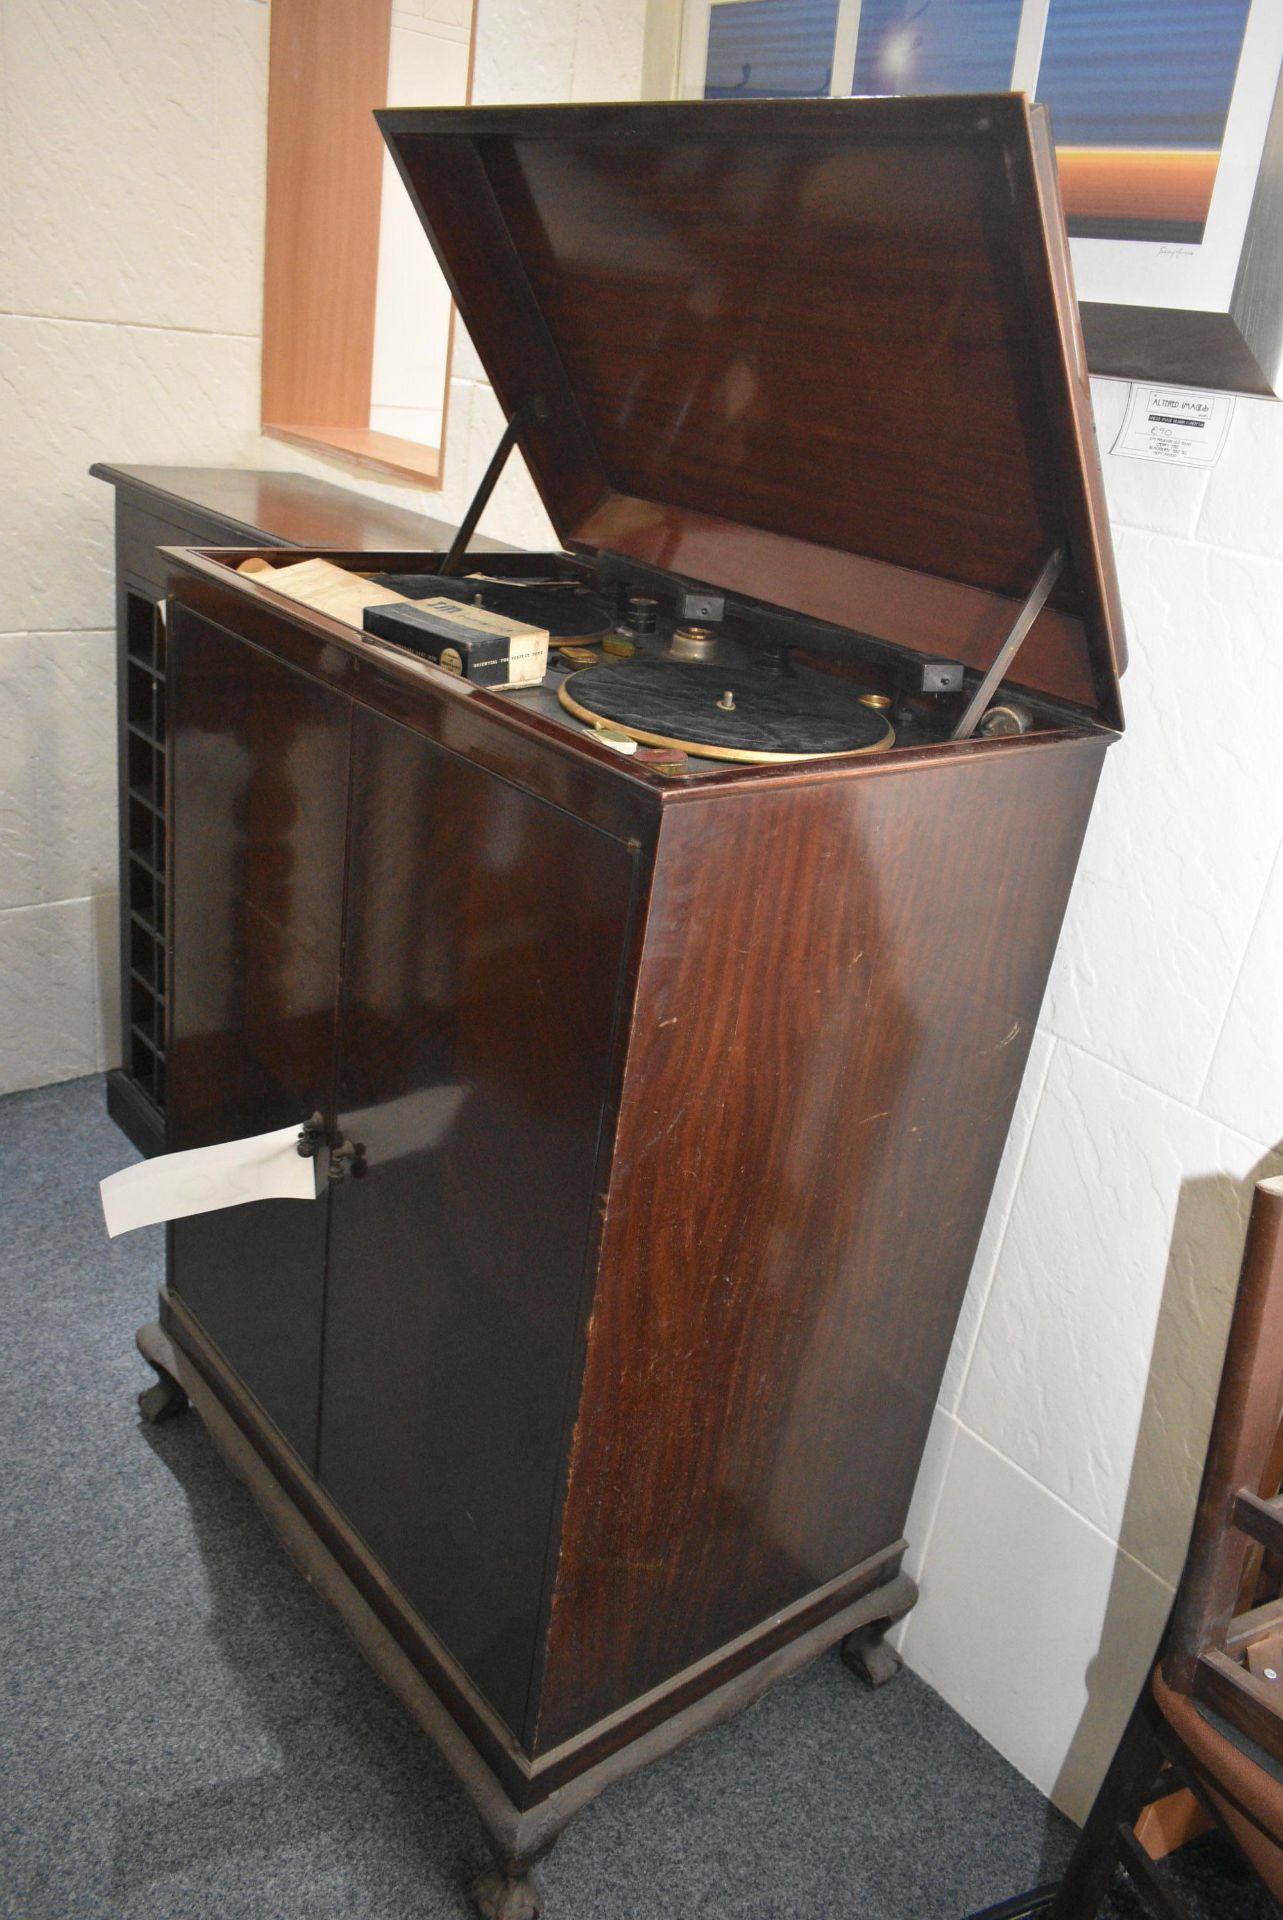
[{"x": 485, "y": 938}]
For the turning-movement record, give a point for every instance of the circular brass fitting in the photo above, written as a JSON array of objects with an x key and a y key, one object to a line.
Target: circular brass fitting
[{"x": 693, "y": 643}]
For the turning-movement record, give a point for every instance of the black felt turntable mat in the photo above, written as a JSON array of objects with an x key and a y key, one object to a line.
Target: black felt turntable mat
[
  {"x": 565, "y": 614},
  {"x": 771, "y": 715}
]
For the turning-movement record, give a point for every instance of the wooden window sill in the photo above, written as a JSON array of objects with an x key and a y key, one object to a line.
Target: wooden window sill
[{"x": 379, "y": 452}]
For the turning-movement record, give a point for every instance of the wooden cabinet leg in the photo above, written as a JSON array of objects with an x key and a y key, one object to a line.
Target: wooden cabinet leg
[
  {"x": 497, "y": 1895},
  {"x": 166, "y": 1398},
  {"x": 865, "y": 1650},
  {"x": 867, "y": 1654}
]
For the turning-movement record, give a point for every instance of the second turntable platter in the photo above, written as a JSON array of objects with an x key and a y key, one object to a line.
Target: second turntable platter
[{"x": 727, "y": 713}]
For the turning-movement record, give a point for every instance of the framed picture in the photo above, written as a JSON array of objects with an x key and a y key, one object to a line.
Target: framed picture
[{"x": 1168, "y": 117}]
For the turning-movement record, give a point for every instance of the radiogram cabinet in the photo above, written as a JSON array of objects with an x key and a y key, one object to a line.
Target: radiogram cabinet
[
  {"x": 666, "y": 1118},
  {"x": 657, "y": 1106}
]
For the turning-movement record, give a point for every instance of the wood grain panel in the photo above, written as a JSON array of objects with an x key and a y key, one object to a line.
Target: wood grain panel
[
  {"x": 837, "y": 996},
  {"x": 254, "y": 505},
  {"x": 484, "y": 950},
  {"x": 328, "y": 70},
  {"x": 366, "y": 447}
]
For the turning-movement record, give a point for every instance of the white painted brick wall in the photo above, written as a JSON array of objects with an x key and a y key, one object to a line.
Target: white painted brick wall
[
  {"x": 1050, "y": 1523},
  {"x": 131, "y": 219},
  {"x": 1051, "y": 1512}
]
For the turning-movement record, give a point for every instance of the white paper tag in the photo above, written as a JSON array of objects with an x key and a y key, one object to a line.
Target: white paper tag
[
  {"x": 1180, "y": 425},
  {"x": 266, "y": 1166}
]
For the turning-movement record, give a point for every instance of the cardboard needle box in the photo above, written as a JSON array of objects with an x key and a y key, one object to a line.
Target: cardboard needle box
[{"x": 479, "y": 645}]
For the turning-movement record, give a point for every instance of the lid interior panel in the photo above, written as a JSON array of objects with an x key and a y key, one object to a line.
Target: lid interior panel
[
  {"x": 832, "y": 324},
  {"x": 741, "y": 344}
]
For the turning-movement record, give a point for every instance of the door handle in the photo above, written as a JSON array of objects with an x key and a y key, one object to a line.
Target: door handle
[{"x": 347, "y": 1159}]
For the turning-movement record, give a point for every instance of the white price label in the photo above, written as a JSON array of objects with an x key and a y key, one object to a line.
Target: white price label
[
  {"x": 266, "y": 1166},
  {"x": 1180, "y": 425}
]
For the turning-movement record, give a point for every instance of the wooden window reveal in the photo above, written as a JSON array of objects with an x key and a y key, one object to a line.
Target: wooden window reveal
[{"x": 328, "y": 71}]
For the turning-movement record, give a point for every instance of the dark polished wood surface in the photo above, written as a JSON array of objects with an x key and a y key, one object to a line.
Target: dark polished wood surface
[
  {"x": 286, "y": 509},
  {"x": 864, "y": 371},
  {"x": 837, "y": 997},
  {"x": 258, "y": 785},
  {"x": 484, "y": 952}
]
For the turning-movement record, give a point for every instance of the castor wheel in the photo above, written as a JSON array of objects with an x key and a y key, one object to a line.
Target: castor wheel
[
  {"x": 500, "y": 1896},
  {"x": 162, "y": 1402},
  {"x": 869, "y": 1657}
]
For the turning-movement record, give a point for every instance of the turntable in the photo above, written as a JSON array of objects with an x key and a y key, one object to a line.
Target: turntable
[
  {"x": 755, "y": 688},
  {"x": 725, "y": 713},
  {"x": 698, "y": 692}
]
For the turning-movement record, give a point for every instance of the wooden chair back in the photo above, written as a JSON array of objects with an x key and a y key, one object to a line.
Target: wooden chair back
[
  {"x": 1224, "y": 1642},
  {"x": 1226, "y": 1655}
]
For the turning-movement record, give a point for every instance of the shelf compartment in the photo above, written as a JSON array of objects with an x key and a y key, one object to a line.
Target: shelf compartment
[{"x": 142, "y": 637}]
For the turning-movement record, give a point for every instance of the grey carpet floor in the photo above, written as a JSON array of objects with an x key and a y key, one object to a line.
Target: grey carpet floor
[{"x": 189, "y": 1734}]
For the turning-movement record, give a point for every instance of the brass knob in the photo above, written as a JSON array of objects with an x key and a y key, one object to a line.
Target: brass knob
[
  {"x": 693, "y": 643},
  {"x": 347, "y": 1159}
]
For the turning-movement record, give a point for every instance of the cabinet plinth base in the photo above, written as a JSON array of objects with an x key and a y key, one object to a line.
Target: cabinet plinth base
[{"x": 523, "y": 1802}]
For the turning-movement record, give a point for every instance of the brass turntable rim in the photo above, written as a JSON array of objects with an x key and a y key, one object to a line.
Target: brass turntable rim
[{"x": 741, "y": 756}]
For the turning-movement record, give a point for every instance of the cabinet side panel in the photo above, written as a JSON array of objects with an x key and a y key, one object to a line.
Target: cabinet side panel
[
  {"x": 258, "y": 791},
  {"x": 485, "y": 939},
  {"x": 837, "y": 995}
]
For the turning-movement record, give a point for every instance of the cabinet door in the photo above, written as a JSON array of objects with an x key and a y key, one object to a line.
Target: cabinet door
[
  {"x": 258, "y": 792},
  {"x": 484, "y": 948}
]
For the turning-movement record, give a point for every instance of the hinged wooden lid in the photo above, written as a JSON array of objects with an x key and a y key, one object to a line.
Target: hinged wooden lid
[{"x": 824, "y": 353}]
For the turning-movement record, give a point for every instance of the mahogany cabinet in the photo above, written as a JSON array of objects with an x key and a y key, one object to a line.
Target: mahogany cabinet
[
  {"x": 661, "y": 1100},
  {"x": 605, "y": 1370}
]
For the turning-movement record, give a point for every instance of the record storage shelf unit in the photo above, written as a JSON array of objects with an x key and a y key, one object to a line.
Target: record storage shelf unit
[{"x": 143, "y": 879}]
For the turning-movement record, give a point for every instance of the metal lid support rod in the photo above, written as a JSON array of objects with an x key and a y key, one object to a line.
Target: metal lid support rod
[
  {"x": 476, "y": 507},
  {"x": 1006, "y": 653}
]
